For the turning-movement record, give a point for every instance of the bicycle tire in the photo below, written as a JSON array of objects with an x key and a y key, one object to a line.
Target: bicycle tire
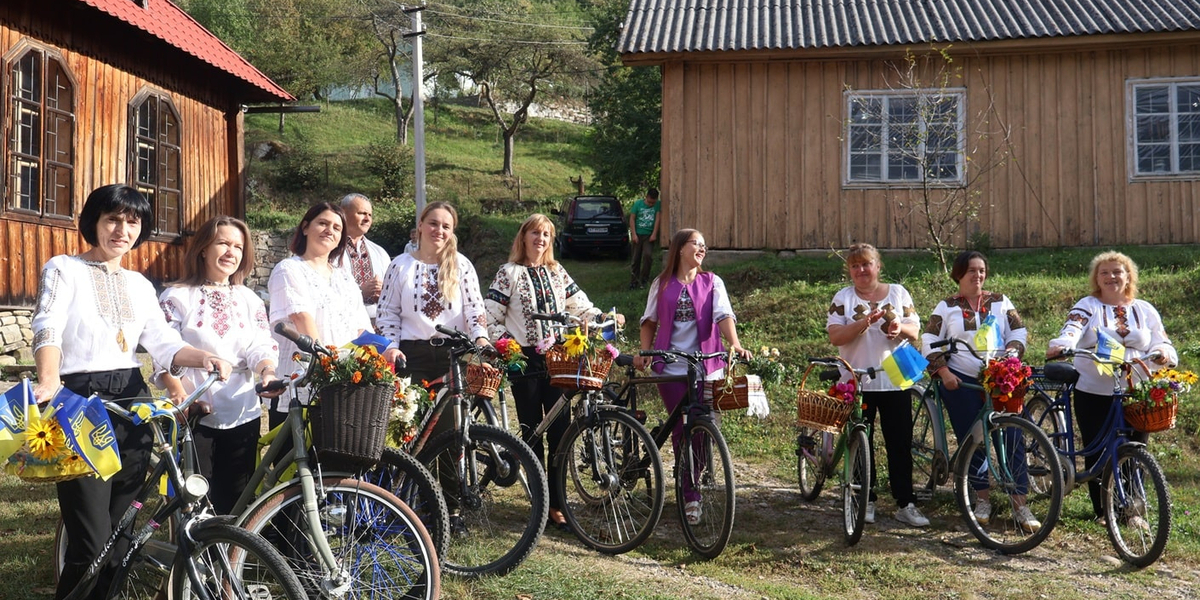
[
  {"x": 930, "y": 464},
  {"x": 812, "y": 447},
  {"x": 403, "y": 475},
  {"x": 232, "y": 563},
  {"x": 856, "y": 491},
  {"x": 1031, "y": 466},
  {"x": 384, "y": 550},
  {"x": 1139, "y": 544},
  {"x": 704, "y": 462},
  {"x": 482, "y": 411},
  {"x": 609, "y": 474},
  {"x": 1039, "y": 410},
  {"x": 502, "y": 520}
]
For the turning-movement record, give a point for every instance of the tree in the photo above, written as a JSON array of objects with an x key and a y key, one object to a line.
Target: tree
[
  {"x": 515, "y": 52},
  {"x": 390, "y": 25}
]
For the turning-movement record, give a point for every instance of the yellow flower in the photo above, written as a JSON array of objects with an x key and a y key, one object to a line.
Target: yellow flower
[
  {"x": 46, "y": 440},
  {"x": 575, "y": 344}
]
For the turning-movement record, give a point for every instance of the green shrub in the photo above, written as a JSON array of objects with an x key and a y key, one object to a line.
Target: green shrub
[
  {"x": 392, "y": 164},
  {"x": 300, "y": 168}
]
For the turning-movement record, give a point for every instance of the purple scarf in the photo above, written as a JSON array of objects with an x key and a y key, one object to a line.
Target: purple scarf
[{"x": 701, "y": 292}]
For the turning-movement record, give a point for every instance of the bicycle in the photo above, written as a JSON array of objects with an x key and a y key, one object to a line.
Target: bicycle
[
  {"x": 1018, "y": 463},
  {"x": 202, "y": 556},
  {"x": 494, "y": 485},
  {"x": 818, "y": 453},
  {"x": 702, "y": 460},
  {"x": 1136, "y": 515}
]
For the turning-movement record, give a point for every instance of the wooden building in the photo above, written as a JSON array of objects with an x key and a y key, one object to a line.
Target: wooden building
[
  {"x": 115, "y": 91},
  {"x": 792, "y": 124}
]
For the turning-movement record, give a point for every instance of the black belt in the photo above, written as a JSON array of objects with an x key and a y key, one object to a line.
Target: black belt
[
  {"x": 110, "y": 383},
  {"x": 436, "y": 342}
]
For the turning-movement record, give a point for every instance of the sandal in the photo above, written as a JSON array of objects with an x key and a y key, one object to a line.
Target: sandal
[{"x": 691, "y": 511}]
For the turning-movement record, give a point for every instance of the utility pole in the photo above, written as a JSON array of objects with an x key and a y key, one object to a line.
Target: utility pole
[{"x": 418, "y": 106}]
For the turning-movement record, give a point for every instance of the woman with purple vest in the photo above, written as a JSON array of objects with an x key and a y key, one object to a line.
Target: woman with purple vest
[{"x": 688, "y": 310}]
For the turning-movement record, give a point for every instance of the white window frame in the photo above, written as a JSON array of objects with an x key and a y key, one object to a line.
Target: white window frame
[
  {"x": 1134, "y": 143},
  {"x": 886, "y": 97}
]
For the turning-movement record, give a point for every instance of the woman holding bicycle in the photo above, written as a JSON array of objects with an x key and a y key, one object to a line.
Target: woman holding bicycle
[
  {"x": 91, "y": 316},
  {"x": 867, "y": 320},
  {"x": 213, "y": 311},
  {"x": 988, "y": 322},
  {"x": 532, "y": 282},
  {"x": 687, "y": 309},
  {"x": 1111, "y": 312}
]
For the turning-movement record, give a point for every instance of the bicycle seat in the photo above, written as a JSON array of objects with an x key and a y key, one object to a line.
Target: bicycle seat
[
  {"x": 1061, "y": 372},
  {"x": 624, "y": 360}
]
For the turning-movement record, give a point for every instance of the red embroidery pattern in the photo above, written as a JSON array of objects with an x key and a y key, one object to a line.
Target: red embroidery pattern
[{"x": 1122, "y": 318}]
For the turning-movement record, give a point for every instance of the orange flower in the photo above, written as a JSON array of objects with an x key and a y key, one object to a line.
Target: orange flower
[{"x": 356, "y": 377}]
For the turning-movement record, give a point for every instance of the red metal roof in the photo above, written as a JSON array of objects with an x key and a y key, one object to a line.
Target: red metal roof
[{"x": 169, "y": 23}]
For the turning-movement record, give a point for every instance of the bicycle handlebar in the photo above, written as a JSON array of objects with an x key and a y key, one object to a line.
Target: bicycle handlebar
[
  {"x": 830, "y": 361},
  {"x": 693, "y": 358},
  {"x": 303, "y": 342},
  {"x": 564, "y": 320},
  {"x": 191, "y": 398}
]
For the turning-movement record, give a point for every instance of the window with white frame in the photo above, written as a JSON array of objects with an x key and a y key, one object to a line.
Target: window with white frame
[
  {"x": 41, "y": 155},
  {"x": 907, "y": 137},
  {"x": 154, "y": 158},
  {"x": 1166, "y": 127}
]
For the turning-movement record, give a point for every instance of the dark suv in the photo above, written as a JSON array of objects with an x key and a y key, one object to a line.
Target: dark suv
[{"x": 592, "y": 223}]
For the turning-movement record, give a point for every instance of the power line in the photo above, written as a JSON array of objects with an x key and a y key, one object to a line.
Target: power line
[
  {"x": 507, "y": 41},
  {"x": 472, "y": 18}
]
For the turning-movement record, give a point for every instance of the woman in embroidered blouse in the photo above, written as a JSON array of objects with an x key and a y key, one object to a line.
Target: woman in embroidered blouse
[
  {"x": 969, "y": 316},
  {"x": 211, "y": 308},
  {"x": 309, "y": 293},
  {"x": 91, "y": 316},
  {"x": 1113, "y": 309},
  {"x": 687, "y": 310},
  {"x": 533, "y": 282},
  {"x": 867, "y": 320}
]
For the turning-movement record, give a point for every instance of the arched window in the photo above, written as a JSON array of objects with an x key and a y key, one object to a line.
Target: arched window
[
  {"x": 154, "y": 158},
  {"x": 41, "y": 155}
]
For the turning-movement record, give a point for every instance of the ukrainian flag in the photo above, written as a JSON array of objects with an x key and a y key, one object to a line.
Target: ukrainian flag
[
  {"x": 370, "y": 339},
  {"x": 88, "y": 430},
  {"x": 12, "y": 426},
  {"x": 905, "y": 365},
  {"x": 1110, "y": 349},
  {"x": 145, "y": 411},
  {"x": 987, "y": 337}
]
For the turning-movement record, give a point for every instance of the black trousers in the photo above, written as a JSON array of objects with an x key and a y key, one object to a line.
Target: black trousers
[
  {"x": 534, "y": 397},
  {"x": 1091, "y": 410},
  {"x": 91, "y": 507},
  {"x": 896, "y": 420},
  {"x": 226, "y": 458}
]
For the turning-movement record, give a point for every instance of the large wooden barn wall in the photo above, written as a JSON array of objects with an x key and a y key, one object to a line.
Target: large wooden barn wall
[
  {"x": 752, "y": 151},
  {"x": 105, "y": 84}
]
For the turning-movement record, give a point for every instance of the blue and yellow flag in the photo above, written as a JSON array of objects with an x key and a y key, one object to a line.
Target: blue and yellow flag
[
  {"x": 12, "y": 421},
  {"x": 905, "y": 365},
  {"x": 144, "y": 412},
  {"x": 370, "y": 339},
  {"x": 610, "y": 333},
  {"x": 88, "y": 430},
  {"x": 1110, "y": 349},
  {"x": 987, "y": 337}
]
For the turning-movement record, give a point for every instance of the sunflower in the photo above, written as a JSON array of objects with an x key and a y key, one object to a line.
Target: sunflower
[
  {"x": 575, "y": 344},
  {"x": 46, "y": 440}
]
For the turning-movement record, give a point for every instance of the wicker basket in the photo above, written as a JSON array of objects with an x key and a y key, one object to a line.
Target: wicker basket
[
  {"x": 582, "y": 372},
  {"x": 1149, "y": 419},
  {"x": 31, "y": 470},
  {"x": 349, "y": 424},
  {"x": 820, "y": 410},
  {"x": 482, "y": 381}
]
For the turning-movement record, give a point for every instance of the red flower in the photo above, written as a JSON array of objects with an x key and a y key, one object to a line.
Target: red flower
[
  {"x": 356, "y": 377},
  {"x": 1157, "y": 395}
]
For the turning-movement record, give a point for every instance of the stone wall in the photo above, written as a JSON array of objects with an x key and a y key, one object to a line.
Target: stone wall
[
  {"x": 270, "y": 247},
  {"x": 16, "y": 336}
]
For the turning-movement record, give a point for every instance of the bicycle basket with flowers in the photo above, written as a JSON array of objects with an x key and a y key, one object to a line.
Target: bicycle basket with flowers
[
  {"x": 36, "y": 446},
  {"x": 1006, "y": 381},
  {"x": 485, "y": 381},
  {"x": 828, "y": 410},
  {"x": 581, "y": 359},
  {"x": 1151, "y": 403}
]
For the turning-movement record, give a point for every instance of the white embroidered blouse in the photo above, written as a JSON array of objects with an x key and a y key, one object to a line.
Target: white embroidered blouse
[
  {"x": 954, "y": 317},
  {"x": 1136, "y": 325},
  {"x": 517, "y": 292},
  {"x": 411, "y": 305},
  {"x": 97, "y": 319},
  {"x": 231, "y": 322},
  {"x": 685, "y": 332},
  {"x": 869, "y": 350}
]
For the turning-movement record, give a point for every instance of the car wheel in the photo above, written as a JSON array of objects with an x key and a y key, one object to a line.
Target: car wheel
[{"x": 561, "y": 249}]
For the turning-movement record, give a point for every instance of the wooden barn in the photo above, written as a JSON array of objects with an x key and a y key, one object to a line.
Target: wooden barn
[
  {"x": 115, "y": 91},
  {"x": 794, "y": 124}
]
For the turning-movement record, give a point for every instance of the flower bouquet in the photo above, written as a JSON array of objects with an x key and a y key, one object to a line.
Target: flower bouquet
[
  {"x": 828, "y": 410},
  {"x": 36, "y": 447},
  {"x": 1006, "y": 380},
  {"x": 483, "y": 380},
  {"x": 580, "y": 360},
  {"x": 1151, "y": 404},
  {"x": 408, "y": 403},
  {"x": 355, "y": 391}
]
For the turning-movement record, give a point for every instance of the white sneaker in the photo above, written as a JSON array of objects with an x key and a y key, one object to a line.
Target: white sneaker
[
  {"x": 870, "y": 520},
  {"x": 910, "y": 515},
  {"x": 983, "y": 511},
  {"x": 1026, "y": 519}
]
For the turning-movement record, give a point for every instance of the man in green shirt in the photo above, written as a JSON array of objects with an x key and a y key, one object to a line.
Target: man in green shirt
[{"x": 643, "y": 232}]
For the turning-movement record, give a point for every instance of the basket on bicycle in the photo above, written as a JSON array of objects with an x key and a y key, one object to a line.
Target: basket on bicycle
[
  {"x": 349, "y": 423},
  {"x": 1152, "y": 402},
  {"x": 1149, "y": 419},
  {"x": 821, "y": 410},
  {"x": 1006, "y": 381},
  {"x": 482, "y": 381},
  {"x": 734, "y": 390},
  {"x": 585, "y": 371},
  {"x": 51, "y": 439}
]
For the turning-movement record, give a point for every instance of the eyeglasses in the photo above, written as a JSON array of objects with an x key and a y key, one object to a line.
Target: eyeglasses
[{"x": 699, "y": 245}]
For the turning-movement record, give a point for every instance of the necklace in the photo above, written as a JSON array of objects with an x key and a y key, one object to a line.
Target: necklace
[
  {"x": 223, "y": 284},
  {"x": 978, "y": 309}
]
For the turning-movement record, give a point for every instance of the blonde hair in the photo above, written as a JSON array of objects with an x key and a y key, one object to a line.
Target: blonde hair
[
  {"x": 447, "y": 259},
  {"x": 535, "y": 221},
  {"x": 1124, "y": 261},
  {"x": 863, "y": 252}
]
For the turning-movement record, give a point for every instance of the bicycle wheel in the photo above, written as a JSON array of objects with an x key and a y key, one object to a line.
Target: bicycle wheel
[
  {"x": 147, "y": 575},
  {"x": 1019, "y": 477},
  {"x": 856, "y": 492},
  {"x": 703, "y": 466},
  {"x": 232, "y": 563},
  {"x": 609, "y": 475},
  {"x": 1137, "y": 506},
  {"x": 382, "y": 549},
  {"x": 1040, "y": 411},
  {"x": 812, "y": 450},
  {"x": 501, "y": 517},
  {"x": 159, "y": 540},
  {"x": 403, "y": 475},
  {"x": 930, "y": 465}
]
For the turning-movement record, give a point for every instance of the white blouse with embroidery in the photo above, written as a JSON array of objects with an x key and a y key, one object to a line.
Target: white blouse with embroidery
[
  {"x": 411, "y": 305},
  {"x": 97, "y": 319},
  {"x": 518, "y": 291},
  {"x": 954, "y": 317},
  {"x": 869, "y": 349},
  {"x": 685, "y": 332},
  {"x": 335, "y": 304},
  {"x": 231, "y": 322},
  {"x": 1136, "y": 325}
]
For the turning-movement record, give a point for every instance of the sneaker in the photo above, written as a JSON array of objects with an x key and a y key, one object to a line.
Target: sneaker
[
  {"x": 691, "y": 510},
  {"x": 458, "y": 526},
  {"x": 983, "y": 511},
  {"x": 1026, "y": 519},
  {"x": 870, "y": 520},
  {"x": 910, "y": 515}
]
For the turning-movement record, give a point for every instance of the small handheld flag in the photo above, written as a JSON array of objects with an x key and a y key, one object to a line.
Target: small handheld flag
[
  {"x": 987, "y": 337},
  {"x": 610, "y": 333},
  {"x": 371, "y": 339},
  {"x": 12, "y": 425},
  {"x": 1108, "y": 348},
  {"x": 905, "y": 365},
  {"x": 88, "y": 431}
]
